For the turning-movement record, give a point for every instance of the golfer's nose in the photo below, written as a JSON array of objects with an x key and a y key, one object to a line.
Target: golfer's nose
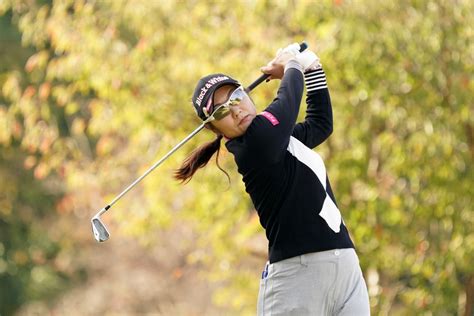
[{"x": 235, "y": 111}]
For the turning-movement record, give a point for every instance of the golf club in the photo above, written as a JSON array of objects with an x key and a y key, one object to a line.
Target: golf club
[{"x": 101, "y": 233}]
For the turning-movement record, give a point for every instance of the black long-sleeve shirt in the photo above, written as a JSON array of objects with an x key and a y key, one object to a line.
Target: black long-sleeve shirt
[{"x": 285, "y": 179}]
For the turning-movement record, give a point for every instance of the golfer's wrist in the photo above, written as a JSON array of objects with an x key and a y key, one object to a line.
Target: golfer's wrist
[
  {"x": 313, "y": 68},
  {"x": 293, "y": 64}
]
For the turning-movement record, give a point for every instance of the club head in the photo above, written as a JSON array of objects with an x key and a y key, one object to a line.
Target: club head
[{"x": 101, "y": 233}]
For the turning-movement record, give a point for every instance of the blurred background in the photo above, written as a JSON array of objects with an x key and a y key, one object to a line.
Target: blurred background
[{"x": 93, "y": 92}]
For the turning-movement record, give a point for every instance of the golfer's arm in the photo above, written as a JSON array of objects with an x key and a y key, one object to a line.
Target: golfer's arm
[
  {"x": 286, "y": 105},
  {"x": 318, "y": 123},
  {"x": 271, "y": 130}
]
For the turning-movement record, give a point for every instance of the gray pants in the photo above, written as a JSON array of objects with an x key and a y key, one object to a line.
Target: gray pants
[{"x": 320, "y": 283}]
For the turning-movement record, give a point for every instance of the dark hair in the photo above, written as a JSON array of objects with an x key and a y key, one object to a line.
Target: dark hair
[{"x": 198, "y": 159}]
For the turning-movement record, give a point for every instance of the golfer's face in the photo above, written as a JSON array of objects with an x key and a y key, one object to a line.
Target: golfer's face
[{"x": 236, "y": 123}]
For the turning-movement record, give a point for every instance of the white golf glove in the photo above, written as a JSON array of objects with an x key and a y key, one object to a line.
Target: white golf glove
[
  {"x": 283, "y": 55},
  {"x": 308, "y": 60},
  {"x": 293, "y": 49}
]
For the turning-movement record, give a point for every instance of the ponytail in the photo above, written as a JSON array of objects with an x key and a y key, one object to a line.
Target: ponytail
[{"x": 198, "y": 159}]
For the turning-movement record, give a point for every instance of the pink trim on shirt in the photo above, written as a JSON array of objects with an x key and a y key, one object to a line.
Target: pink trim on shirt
[{"x": 269, "y": 116}]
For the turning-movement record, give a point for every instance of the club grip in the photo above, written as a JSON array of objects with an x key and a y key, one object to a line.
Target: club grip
[{"x": 303, "y": 46}]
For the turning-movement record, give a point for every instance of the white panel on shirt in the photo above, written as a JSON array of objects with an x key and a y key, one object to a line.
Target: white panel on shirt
[{"x": 329, "y": 212}]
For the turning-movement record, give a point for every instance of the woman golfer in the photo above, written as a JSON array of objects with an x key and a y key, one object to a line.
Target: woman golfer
[{"x": 312, "y": 266}]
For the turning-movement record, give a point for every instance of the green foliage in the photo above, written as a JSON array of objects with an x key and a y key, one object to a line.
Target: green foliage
[
  {"x": 409, "y": 148},
  {"x": 30, "y": 256},
  {"x": 34, "y": 259},
  {"x": 107, "y": 90}
]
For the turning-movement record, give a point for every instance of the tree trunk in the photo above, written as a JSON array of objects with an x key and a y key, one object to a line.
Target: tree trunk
[{"x": 469, "y": 311}]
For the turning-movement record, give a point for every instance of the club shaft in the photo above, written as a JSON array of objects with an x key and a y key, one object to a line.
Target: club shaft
[{"x": 175, "y": 148}]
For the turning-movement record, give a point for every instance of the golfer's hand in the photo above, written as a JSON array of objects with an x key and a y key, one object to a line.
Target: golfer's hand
[{"x": 276, "y": 67}]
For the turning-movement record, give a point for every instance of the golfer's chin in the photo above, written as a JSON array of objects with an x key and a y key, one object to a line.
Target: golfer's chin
[{"x": 242, "y": 127}]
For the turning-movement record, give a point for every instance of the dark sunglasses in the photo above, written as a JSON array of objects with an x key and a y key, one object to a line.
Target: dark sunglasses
[{"x": 222, "y": 110}]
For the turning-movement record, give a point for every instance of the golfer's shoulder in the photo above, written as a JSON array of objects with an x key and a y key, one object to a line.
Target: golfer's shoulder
[{"x": 260, "y": 131}]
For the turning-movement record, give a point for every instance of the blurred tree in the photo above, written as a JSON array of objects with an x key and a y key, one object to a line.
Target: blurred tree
[
  {"x": 31, "y": 263},
  {"x": 30, "y": 267},
  {"x": 404, "y": 155},
  {"x": 108, "y": 90}
]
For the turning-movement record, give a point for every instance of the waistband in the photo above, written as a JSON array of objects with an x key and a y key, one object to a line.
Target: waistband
[
  {"x": 318, "y": 256},
  {"x": 313, "y": 257}
]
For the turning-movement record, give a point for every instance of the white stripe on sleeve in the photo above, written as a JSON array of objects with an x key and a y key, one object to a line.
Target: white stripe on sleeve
[{"x": 315, "y": 80}]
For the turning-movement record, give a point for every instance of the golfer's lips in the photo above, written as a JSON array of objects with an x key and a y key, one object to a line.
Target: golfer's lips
[{"x": 245, "y": 119}]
